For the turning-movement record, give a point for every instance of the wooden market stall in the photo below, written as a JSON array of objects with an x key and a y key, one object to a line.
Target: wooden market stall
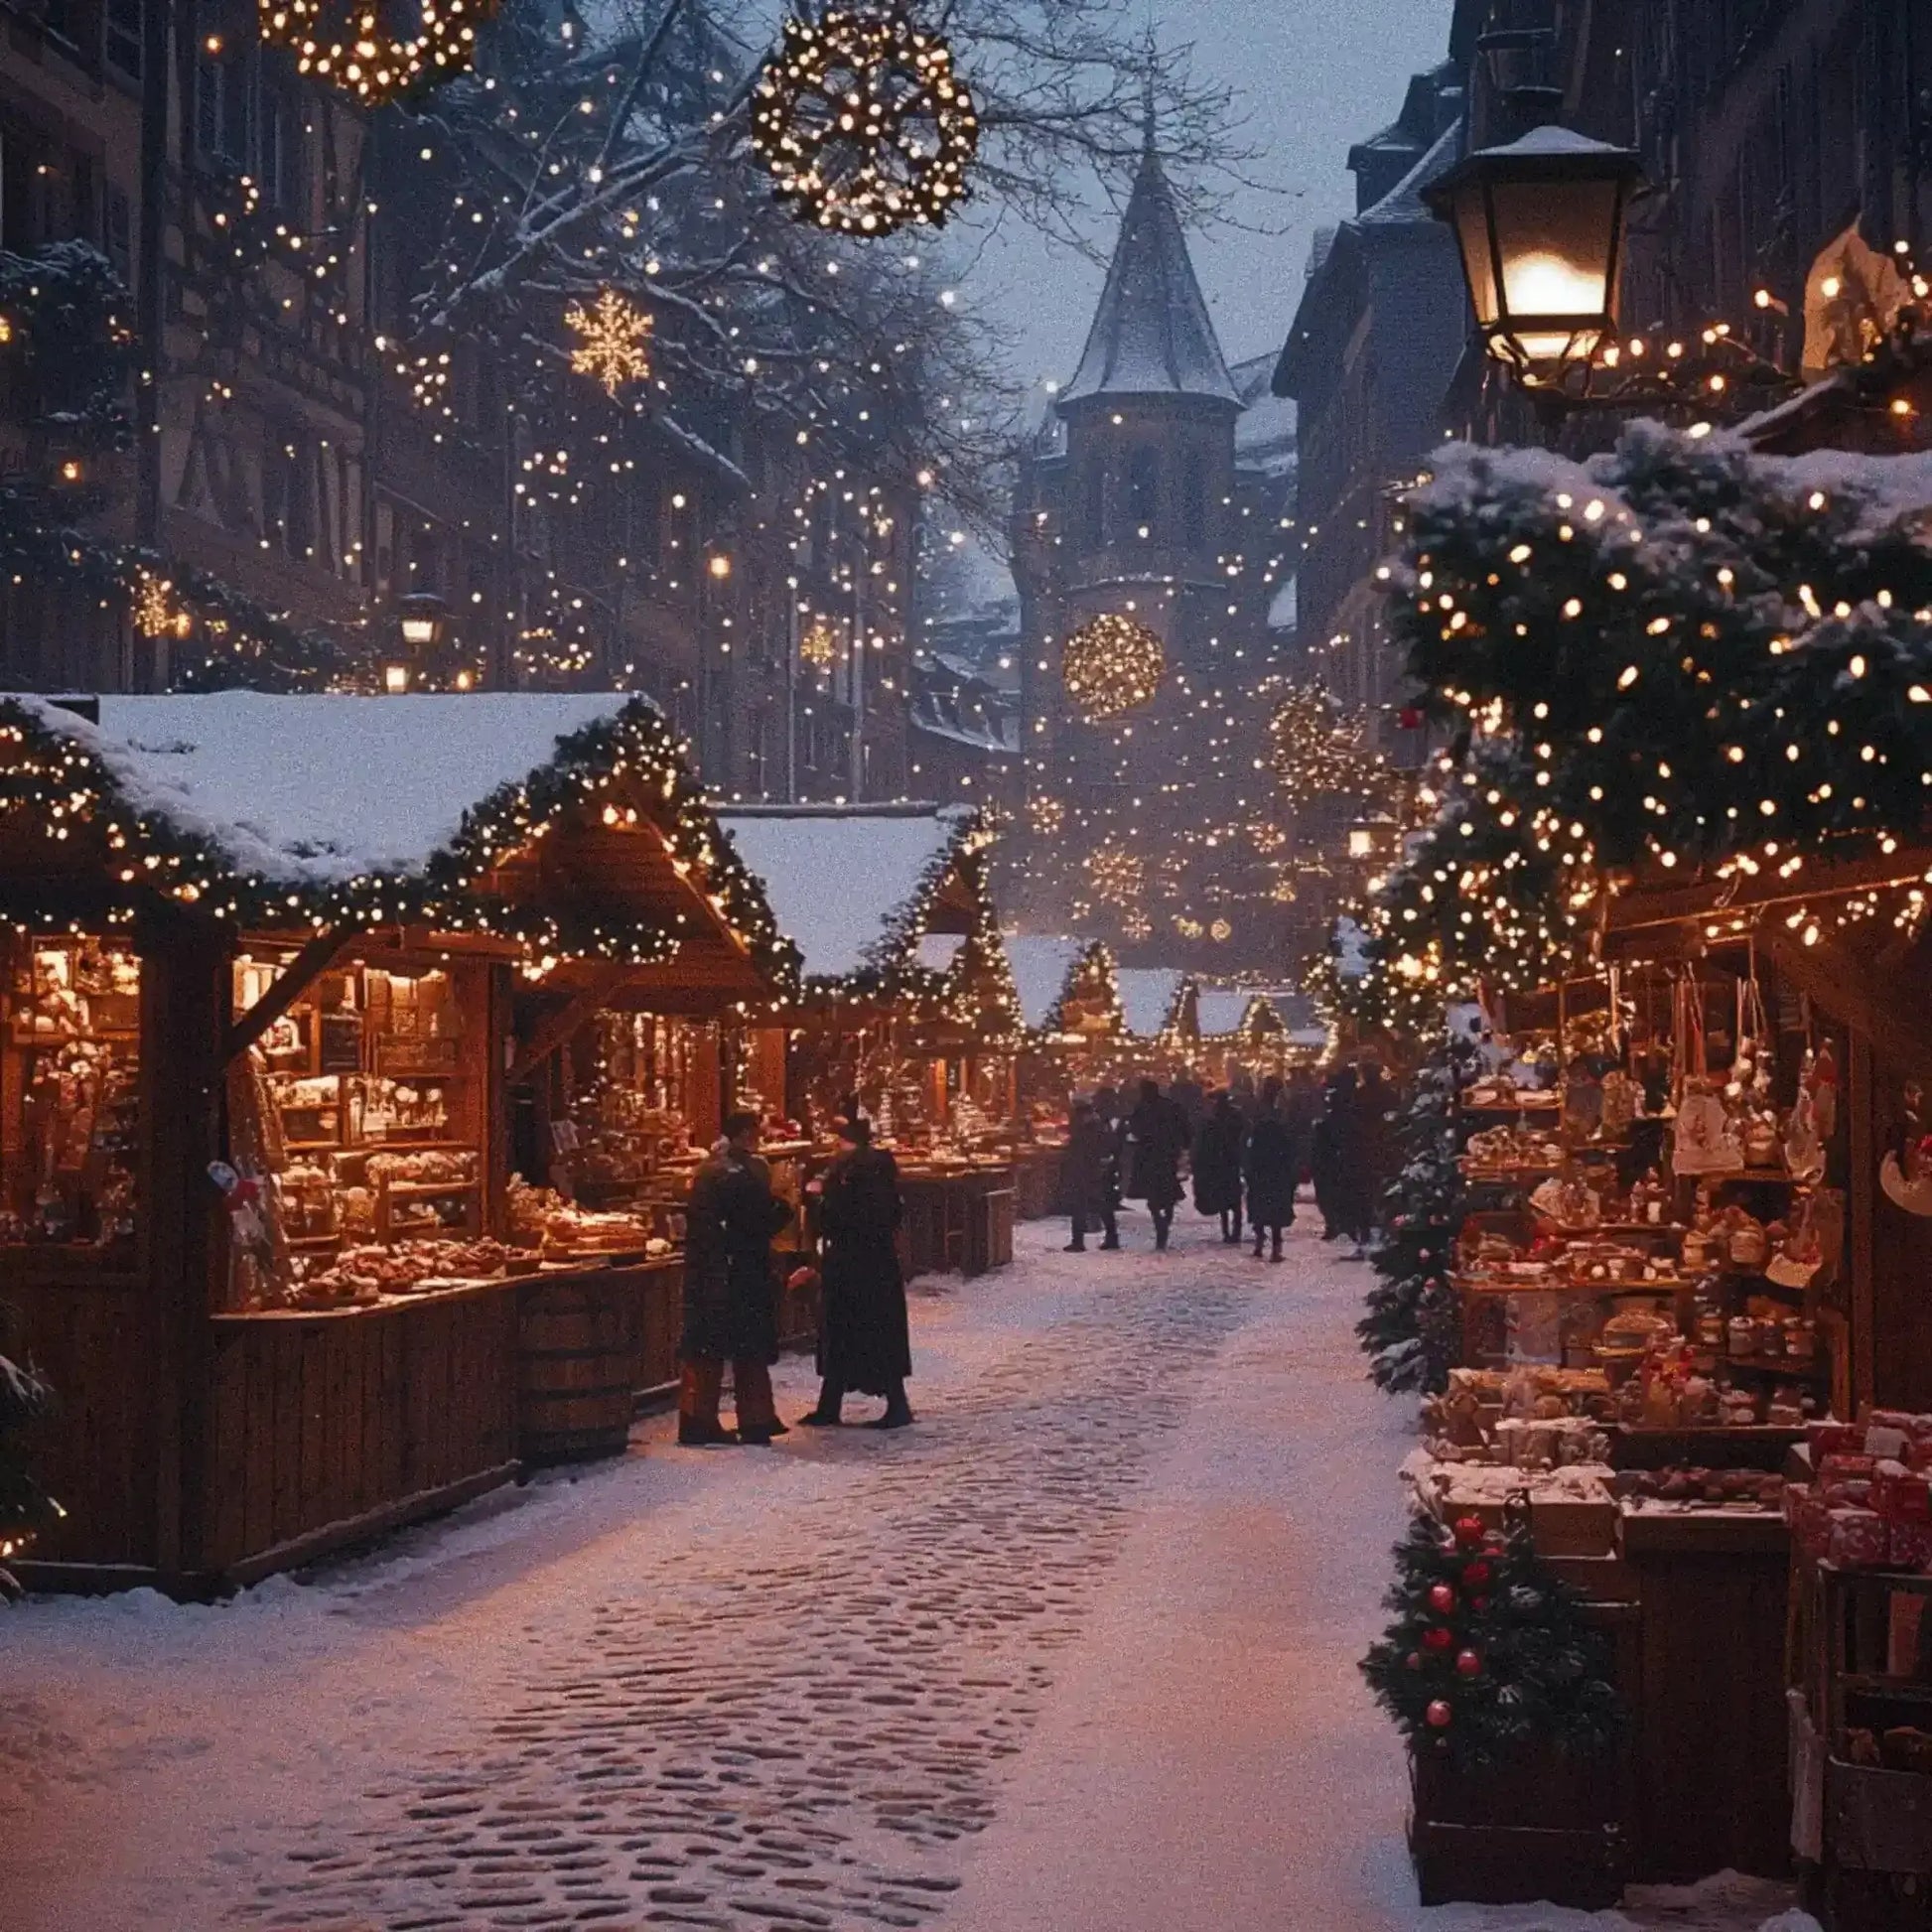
[
  {"x": 261, "y": 1019},
  {"x": 1241, "y": 1031},
  {"x": 908, "y": 1003}
]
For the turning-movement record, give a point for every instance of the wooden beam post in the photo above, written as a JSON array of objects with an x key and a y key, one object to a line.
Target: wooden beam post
[
  {"x": 553, "y": 1032},
  {"x": 296, "y": 977},
  {"x": 1882, "y": 1005}
]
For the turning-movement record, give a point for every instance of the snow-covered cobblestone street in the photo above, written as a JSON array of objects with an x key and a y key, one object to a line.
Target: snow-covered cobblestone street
[{"x": 1079, "y": 1649}]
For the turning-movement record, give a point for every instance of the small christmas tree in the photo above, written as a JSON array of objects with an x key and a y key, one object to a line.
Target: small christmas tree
[
  {"x": 24, "y": 1507},
  {"x": 1488, "y": 1652},
  {"x": 1410, "y": 1330}
]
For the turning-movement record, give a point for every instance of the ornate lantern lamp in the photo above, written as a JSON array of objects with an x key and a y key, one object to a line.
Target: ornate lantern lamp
[{"x": 1540, "y": 222}]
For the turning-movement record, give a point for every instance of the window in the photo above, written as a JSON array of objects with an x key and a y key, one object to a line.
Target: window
[
  {"x": 1144, "y": 489},
  {"x": 1194, "y": 501}
]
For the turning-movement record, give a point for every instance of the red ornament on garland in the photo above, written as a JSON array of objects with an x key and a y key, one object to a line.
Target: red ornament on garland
[
  {"x": 1438, "y": 1638},
  {"x": 1412, "y": 1661},
  {"x": 1476, "y": 1574},
  {"x": 1442, "y": 1599},
  {"x": 1468, "y": 1529},
  {"x": 1478, "y": 1602},
  {"x": 1439, "y": 1714},
  {"x": 1469, "y": 1663}
]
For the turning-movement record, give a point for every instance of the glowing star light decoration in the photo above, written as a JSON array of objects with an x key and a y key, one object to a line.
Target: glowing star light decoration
[
  {"x": 613, "y": 340},
  {"x": 353, "y": 47},
  {"x": 818, "y": 645},
  {"x": 1112, "y": 665},
  {"x": 863, "y": 124}
]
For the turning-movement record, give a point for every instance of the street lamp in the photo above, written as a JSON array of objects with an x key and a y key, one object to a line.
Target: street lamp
[
  {"x": 395, "y": 678},
  {"x": 421, "y": 615},
  {"x": 1540, "y": 224}
]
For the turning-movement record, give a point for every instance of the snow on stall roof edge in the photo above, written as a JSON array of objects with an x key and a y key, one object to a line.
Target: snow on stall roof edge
[
  {"x": 1041, "y": 964},
  {"x": 322, "y": 788},
  {"x": 841, "y": 882}
]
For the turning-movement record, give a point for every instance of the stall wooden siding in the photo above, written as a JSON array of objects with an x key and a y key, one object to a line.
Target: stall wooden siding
[
  {"x": 1897, "y": 1248},
  {"x": 322, "y": 1420},
  {"x": 95, "y": 1454}
]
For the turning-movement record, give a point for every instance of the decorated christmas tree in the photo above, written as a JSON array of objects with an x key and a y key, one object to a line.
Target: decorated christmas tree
[
  {"x": 1410, "y": 1330},
  {"x": 1488, "y": 1653},
  {"x": 24, "y": 1507}
]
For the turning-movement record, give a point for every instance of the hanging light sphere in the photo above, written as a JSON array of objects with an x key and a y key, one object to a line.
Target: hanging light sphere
[
  {"x": 1540, "y": 223},
  {"x": 863, "y": 124},
  {"x": 346, "y": 43},
  {"x": 1112, "y": 665}
]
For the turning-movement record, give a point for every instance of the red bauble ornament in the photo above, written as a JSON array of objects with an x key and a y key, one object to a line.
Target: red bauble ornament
[
  {"x": 1469, "y": 1663},
  {"x": 1476, "y": 1574},
  {"x": 1478, "y": 1602},
  {"x": 1439, "y": 1714},
  {"x": 1437, "y": 1638},
  {"x": 1409, "y": 718},
  {"x": 1468, "y": 1529},
  {"x": 1412, "y": 1661},
  {"x": 1442, "y": 1599}
]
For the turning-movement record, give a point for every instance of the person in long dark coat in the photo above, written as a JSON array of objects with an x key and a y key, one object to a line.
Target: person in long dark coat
[
  {"x": 864, "y": 1345},
  {"x": 1089, "y": 1178},
  {"x": 1217, "y": 1167},
  {"x": 731, "y": 1305},
  {"x": 1272, "y": 1161},
  {"x": 1351, "y": 1186},
  {"x": 1108, "y": 1111},
  {"x": 1157, "y": 1138},
  {"x": 1302, "y": 1108},
  {"x": 1375, "y": 1099}
]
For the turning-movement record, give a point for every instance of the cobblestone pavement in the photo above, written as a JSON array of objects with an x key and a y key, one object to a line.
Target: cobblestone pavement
[{"x": 799, "y": 1729}]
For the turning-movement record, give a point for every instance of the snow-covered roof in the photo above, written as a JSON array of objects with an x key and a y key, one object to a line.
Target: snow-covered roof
[
  {"x": 320, "y": 790},
  {"x": 1040, "y": 969},
  {"x": 1403, "y": 206},
  {"x": 1147, "y": 998},
  {"x": 1220, "y": 1009},
  {"x": 846, "y": 880},
  {"x": 1150, "y": 335},
  {"x": 938, "y": 950}
]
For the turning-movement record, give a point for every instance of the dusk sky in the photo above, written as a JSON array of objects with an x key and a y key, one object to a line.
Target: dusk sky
[{"x": 1309, "y": 77}]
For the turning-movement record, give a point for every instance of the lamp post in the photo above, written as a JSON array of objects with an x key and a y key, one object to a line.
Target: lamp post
[{"x": 1540, "y": 224}]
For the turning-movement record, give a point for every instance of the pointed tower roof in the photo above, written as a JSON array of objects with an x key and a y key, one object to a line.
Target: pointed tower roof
[{"x": 1150, "y": 335}]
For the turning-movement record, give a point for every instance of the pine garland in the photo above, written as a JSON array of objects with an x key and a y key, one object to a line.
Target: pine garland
[
  {"x": 1488, "y": 1653},
  {"x": 1681, "y": 653},
  {"x": 1410, "y": 1330}
]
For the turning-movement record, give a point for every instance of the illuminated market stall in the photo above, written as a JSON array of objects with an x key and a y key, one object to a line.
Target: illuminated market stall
[
  {"x": 262, "y": 1024},
  {"x": 908, "y": 1005}
]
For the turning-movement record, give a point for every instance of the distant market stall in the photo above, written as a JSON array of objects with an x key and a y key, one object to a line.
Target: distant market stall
[
  {"x": 907, "y": 1004},
  {"x": 261, "y": 1031}
]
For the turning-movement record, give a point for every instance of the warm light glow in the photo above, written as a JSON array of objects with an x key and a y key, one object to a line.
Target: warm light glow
[{"x": 395, "y": 680}]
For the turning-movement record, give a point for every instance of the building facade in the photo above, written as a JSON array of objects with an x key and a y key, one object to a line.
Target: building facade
[{"x": 760, "y": 590}]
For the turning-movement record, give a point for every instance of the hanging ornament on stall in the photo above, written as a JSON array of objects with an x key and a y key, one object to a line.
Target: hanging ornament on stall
[
  {"x": 863, "y": 124},
  {"x": 357, "y": 48},
  {"x": 1111, "y": 665},
  {"x": 613, "y": 340}
]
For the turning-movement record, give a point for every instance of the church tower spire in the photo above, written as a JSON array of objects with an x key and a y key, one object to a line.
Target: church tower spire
[{"x": 1152, "y": 333}]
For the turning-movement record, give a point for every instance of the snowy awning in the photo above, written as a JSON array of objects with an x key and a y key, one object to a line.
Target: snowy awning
[
  {"x": 855, "y": 886},
  {"x": 1041, "y": 967},
  {"x": 567, "y": 824},
  {"x": 1148, "y": 997}
]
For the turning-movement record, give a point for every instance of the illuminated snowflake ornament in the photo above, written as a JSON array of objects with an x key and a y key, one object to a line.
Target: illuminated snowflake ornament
[{"x": 613, "y": 340}]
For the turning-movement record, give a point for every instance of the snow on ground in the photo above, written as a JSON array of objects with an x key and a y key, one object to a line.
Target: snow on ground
[{"x": 1077, "y": 1650}]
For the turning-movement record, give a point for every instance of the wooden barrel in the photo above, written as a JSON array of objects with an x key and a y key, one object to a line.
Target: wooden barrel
[{"x": 577, "y": 1342}]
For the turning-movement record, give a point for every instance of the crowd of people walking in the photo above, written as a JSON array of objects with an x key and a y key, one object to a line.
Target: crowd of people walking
[{"x": 1248, "y": 1153}]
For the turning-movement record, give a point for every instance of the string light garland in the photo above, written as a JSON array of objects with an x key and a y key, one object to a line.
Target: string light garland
[
  {"x": 613, "y": 340},
  {"x": 351, "y": 49},
  {"x": 1681, "y": 655},
  {"x": 863, "y": 124},
  {"x": 55, "y": 773},
  {"x": 1111, "y": 664}
]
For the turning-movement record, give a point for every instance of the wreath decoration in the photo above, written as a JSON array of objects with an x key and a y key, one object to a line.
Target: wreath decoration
[{"x": 863, "y": 124}]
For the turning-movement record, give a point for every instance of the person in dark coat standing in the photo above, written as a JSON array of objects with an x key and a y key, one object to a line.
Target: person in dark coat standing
[
  {"x": 1087, "y": 1177},
  {"x": 865, "y": 1345},
  {"x": 1273, "y": 1163},
  {"x": 1157, "y": 1138},
  {"x": 1217, "y": 1167},
  {"x": 731, "y": 1305},
  {"x": 1189, "y": 1095},
  {"x": 1108, "y": 1111},
  {"x": 1375, "y": 1099},
  {"x": 1351, "y": 1187},
  {"x": 1302, "y": 1108}
]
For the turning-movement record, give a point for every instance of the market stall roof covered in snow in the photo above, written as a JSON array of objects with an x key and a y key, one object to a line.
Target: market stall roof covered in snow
[
  {"x": 1229, "y": 1010},
  {"x": 1147, "y": 997},
  {"x": 566, "y": 824},
  {"x": 859, "y": 887},
  {"x": 1041, "y": 967},
  {"x": 325, "y": 787}
]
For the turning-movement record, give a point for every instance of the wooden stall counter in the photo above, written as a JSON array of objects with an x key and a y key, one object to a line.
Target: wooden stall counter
[
  {"x": 958, "y": 1220},
  {"x": 331, "y": 1425}
]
